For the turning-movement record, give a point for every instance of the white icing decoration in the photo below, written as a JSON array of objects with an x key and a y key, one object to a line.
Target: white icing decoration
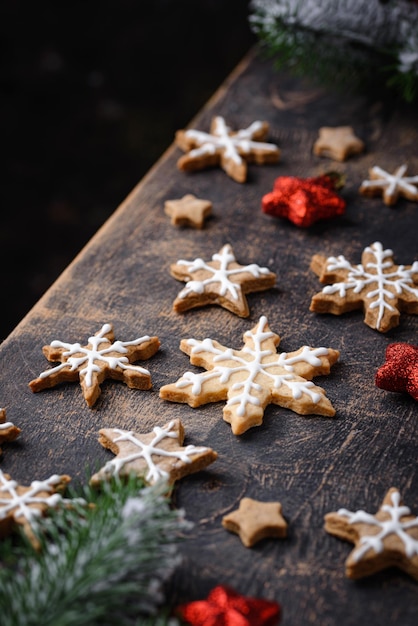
[
  {"x": 393, "y": 525},
  {"x": 145, "y": 451},
  {"x": 360, "y": 277},
  {"x": 392, "y": 182},
  {"x": 231, "y": 145},
  {"x": 6, "y": 425},
  {"x": 20, "y": 504},
  {"x": 257, "y": 366},
  {"x": 219, "y": 275},
  {"x": 97, "y": 352}
]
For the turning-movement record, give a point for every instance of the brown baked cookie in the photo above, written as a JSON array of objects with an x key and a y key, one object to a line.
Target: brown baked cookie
[
  {"x": 220, "y": 281},
  {"x": 337, "y": 143},
  {"x": 8, "y": 431},
  {"x": 253, "y": 377},
  {"x": 156, "y": 455},
  {"x": 255, "y": 520},
  {"x": 378, "y": 286},
  {"x": 102, "y": 358},
  {"x": 226, "y": 148},
  {"x": 188, "y": 211},
  {"x": 390, "y": 186},
  {"x": 387, "y": 539}
]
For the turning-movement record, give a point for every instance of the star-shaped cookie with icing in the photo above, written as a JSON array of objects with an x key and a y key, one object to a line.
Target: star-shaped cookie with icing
[
  {"x": 387, "y": 539},
  {"x": 377, "y": 285},
  {"x": 157, "y": 455},
  {"x": 390, "y": 186},
  {"x": 8, "y": 431},
  {"x": 102, "y": 358},
  {"x": 399, "y": 373},
  {"x": 338, "y": 143},
  {"x": 253, "y": 377},
  {"x": 231, "y": 150},
  {"x": 220, "y": 281},
  {"x": 188, "y": 211},
  {"x": 255, "y": 520}
]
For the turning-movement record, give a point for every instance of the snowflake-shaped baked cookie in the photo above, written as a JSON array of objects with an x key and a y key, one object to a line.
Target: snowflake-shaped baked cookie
[
  {"x": 220, "y": 281},
  {"x": 380, "y": 287},
  {"x": 390, "y": 186},
  {"x": 389, "y": 538},
  {"x": 231, "y": 150},
  {"x": 102, "y": 358},
  {"x": 158, "y": 455},
  {"x": 252, "y": 378}
]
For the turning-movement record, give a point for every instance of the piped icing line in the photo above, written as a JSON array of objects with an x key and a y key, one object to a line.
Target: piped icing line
[
  {"x": 19, "y": 504},
  {"x": 391, "y": 182}
]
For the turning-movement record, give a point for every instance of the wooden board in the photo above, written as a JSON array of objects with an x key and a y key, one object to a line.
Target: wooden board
[{"x": 312, "y": 465}]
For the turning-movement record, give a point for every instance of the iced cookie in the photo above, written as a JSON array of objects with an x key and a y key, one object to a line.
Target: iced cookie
[
  {"x": 390, "y": 186},
  {"x": 8, "y": 431}
]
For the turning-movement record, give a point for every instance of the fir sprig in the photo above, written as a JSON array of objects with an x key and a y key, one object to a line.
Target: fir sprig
[{"x": 105, "y": 563}]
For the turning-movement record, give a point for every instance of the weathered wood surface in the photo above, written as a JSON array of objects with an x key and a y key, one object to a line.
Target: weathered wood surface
[{"x": 312, "y": 465}]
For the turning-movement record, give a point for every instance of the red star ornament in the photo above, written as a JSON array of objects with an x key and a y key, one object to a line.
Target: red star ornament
[
  {"x": 225, "y": 607},
  {"x": 304, "y": 201},
  {"x": 400, "y": 371}
]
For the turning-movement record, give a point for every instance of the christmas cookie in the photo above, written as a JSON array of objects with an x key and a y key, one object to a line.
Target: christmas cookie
[
  {"x": 255, "y": 520},
  {"x": 156, "y": 455},
  {"x": 337, "y": 143},
  {"x": 23, "y": 505},
  {"x": 188, "y": 211},
  {"x": 390, "y": 186},
  {"x": 377, "y": 285},
  {"x": 102, "y": 358},
  {"x": 251, "y": 378},
  {"x": 231, "y": 150},
  {"x": 303, "y": 201},
  {"x": 220, "y": 281},
  {"x": 400, "y": 371},
  {"x": 8, "y": 431},
  {"x": 387, "y": 539}
]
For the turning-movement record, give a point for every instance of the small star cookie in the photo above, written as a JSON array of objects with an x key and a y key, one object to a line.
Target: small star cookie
[
  {"x": 400, "y": 371},
  {"x": 220, "y": 281},
  {"x": 188, "y": 211},
  {"x": 157, "y": 455},
  {"x": 390, "y": 186},
  {"x": 251, "y": 378},
  {"x": 377, "y": 285},
  {"x": 255, "y": 520},
  {"x": 387, "y": 539},
  {"x": 225, "y": 148},
  {"x": 8, "y": 431},
  {"x": 102, "y": 358},
  {"x": 23, "y": 505},
  {"x": 338, "y": 143}
]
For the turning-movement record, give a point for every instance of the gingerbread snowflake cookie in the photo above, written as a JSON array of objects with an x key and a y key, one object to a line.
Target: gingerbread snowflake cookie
[
  {"x": 390, "y": 186},
  {"x": 377, "y": 285},
  {"x": 157, "y": 455},
  {"x": 220, "y": 281},
  {"x": 255, "y": 520},
  {"x": 253, "y": 377},
  {"x": 8, "y": 431},
  {"x": 102, "y": 358},
  {"x": 188, "y": 211},
  {"x": 231, "y": 150},
  {"x": 338, "y": 143},
  {"x": 387, "y": 539}
]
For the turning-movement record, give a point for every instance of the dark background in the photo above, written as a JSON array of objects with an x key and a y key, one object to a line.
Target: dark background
[{"x": 92, "y": 93}]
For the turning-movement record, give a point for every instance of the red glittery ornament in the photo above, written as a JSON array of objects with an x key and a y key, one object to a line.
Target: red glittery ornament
[
  {"x": 304, "y": 200},
  {"x": 400, "y": 371},
  {"x": 226, "y": 607}
]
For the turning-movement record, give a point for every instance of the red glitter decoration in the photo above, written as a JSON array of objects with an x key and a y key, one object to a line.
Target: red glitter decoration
[
  {"x": 225, "y": 607},
  {"x": 400, "y": 371},
  {"x": 304, "y": 200}
]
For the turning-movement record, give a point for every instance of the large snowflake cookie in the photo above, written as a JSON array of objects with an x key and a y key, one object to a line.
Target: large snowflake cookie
[
  {"x": 8, "y": 431},
  {"x": 220, "y": 281},
  {"x": 24, "y": 505},
  {"x": 231, "y": 150},
  {"x": 102, "y": 358},
  {"x": 390, "y": 186},
  {"x": 387, "y": 539},
  {"x": 377, "y": 285},
  {"x": 253, "y": 377},
  {"x": 157, "y": 455}
]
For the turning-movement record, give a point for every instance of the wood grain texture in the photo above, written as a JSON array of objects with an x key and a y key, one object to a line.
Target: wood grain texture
[{"x": 312, "y": 465}]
